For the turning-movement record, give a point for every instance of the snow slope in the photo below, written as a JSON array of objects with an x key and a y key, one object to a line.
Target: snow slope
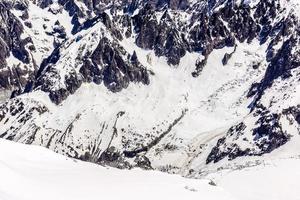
[
  {"x": 34, "y": 173},
  {"x": 274, "y": 179}
]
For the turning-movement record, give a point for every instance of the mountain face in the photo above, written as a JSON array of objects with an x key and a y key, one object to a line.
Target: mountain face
[
  {"x": 16, "y": 60},
  {"x": 180, "y": 86}
]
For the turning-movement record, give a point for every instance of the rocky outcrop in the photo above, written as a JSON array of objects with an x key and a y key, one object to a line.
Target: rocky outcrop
[
  {"x": 160, "y": 35},
  {"x": 108, "y": 63},
  {"x": 13, "y": 46},
  {"x": 294, "y": 111},
  {"x": 16, "y": 109},
  {"x": 240, "y": 140}
]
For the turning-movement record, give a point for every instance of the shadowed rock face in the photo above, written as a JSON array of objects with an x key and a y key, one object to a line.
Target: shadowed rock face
[
  {"x": 161, "y": 35},
  {"x": 109, "y": 64},
  {"x": 13, "y": 45},
  {"x": 172, "y": 4},
  {"x": 118, "y": 72},
  {"x": 265, "y": 138}
]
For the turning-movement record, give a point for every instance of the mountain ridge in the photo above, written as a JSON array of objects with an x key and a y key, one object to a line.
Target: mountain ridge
[{"x": 114, "y": 82}]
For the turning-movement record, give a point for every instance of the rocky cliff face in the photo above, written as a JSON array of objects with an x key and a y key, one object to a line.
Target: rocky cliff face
[
  {"x": 16, "y": 62},
  {"x": 172, "y": 85}
]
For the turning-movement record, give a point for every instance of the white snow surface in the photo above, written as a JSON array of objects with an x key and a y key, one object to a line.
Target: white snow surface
[
  {"x": 273, "y": 179},
  {"x": 35, "y": 173}
]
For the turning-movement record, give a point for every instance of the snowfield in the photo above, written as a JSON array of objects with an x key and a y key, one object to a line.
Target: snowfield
[
  {"x": 35, "y": 173},
  {"x": 273, "y": 180}
]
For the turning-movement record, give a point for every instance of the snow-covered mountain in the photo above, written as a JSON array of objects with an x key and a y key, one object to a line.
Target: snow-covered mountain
[{"x": 187, "y": 87}]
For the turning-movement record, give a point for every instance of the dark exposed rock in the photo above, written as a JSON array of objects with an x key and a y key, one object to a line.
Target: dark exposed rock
[
  {"x": 280, "y": 65},
  {"x": 28, "y": 24},
  {"x": 12, "y": 44},
  {"x": 200, "y": 64},
  {"x": 58, "y": 96},
  {"x": 20, "y": 5},
  {"x": 253, "y": 90},
  {"x": 266, "y": 137},
  {"x": 59, "y": 31},
  {"x": 163, "y": 37},
  {"x": 172, "y": 4},
  {"x": 109, "y": 63},
  {"x": 227, "y": 56},
  {"x": 118, "y": 69},
  {"x": 113, "y": 158},
  {"x": 17, "y": 109},
  {"x": 295, "y": 112},
  {"x": 91, "y": 72},
  {"x": 143, "y": 162}
]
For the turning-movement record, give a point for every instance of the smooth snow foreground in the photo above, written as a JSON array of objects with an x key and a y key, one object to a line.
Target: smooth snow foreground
[
  {"x": 274, "y": 180},
  {"x": 35, "y": 173}
]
